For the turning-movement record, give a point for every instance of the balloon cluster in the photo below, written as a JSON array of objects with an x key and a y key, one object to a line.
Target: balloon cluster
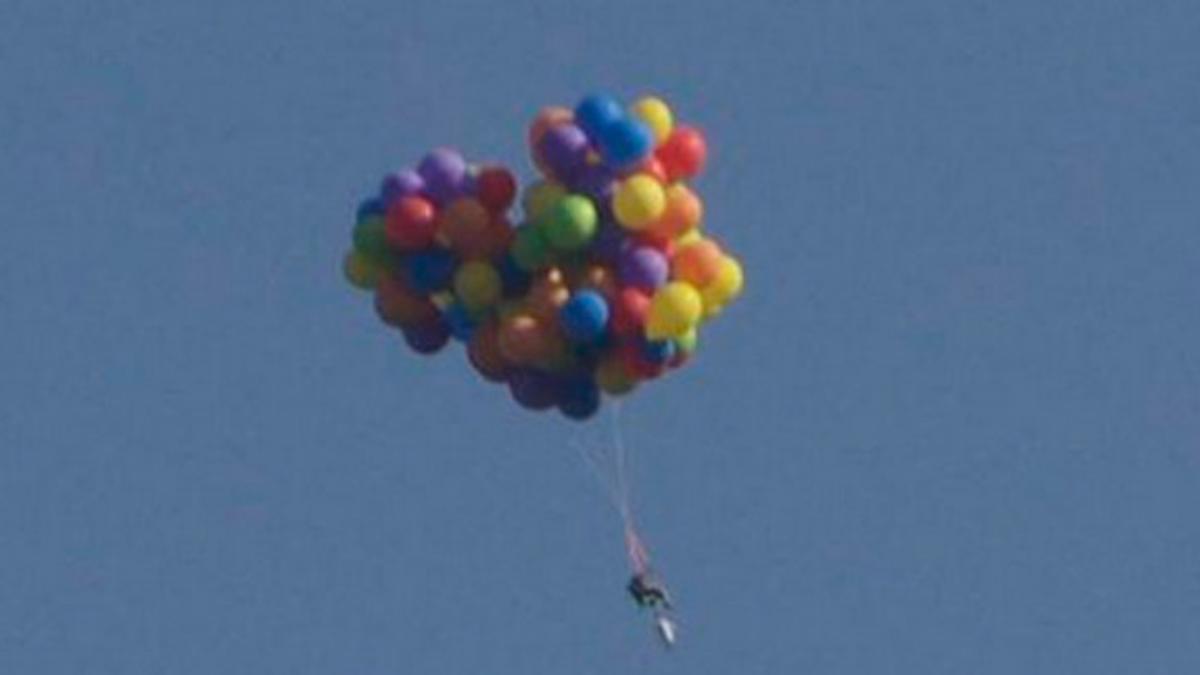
[{"x": 604, "y": 283}]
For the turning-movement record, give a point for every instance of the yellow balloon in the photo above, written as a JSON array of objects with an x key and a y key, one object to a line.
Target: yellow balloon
[
  {"x": 724, "y": 288},
  {"x": 361, "y": 271},
  {"x": 639, "y": 201},
  {"x": 477, "y": 285},
  {"x": 655, "y": 113},
  {"x": 675, "y": 309},
  {"x": 540, "y": 197},
  {"x": 690, "y": 237}
]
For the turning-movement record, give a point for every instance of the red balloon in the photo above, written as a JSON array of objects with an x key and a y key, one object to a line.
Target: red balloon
[
  {"x": 411, "y": 223},
  {"x": 629, "y": 311},
  {"x": 683, "y": 154},
  {"x": 496, "y": 188}
]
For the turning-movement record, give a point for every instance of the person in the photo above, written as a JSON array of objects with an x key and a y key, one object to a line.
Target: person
[{"x": 648, "y": 591}]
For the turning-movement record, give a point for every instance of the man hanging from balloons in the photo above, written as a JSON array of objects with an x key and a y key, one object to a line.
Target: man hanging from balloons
[{"x": 603, "y": 283}]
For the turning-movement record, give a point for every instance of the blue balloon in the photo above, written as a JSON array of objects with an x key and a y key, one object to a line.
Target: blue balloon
[
  {"x": 626, "y": 143},
  {"x": 658, "y": 352},
  {"x": 580, "y": 398},
  {"x": 462, "y": 326},
  {"x": 370, "y": 207},
  {"x": 597, "y": 112},
  {"x": 585, "y": 316},
  {"x": 430, "y": 271},
  {"x": 515, "y": 280}
]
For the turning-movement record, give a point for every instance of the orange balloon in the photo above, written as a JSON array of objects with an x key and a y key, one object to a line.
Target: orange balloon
[
  {"x": 484, "y": 352},
  {"x": 697, "y": 263},
  {"x": 684, "y": 212},
  {"x": 400, "y": 306},
  {"x": 523, "y": 339},
  {"x": 463, "y": 225}
]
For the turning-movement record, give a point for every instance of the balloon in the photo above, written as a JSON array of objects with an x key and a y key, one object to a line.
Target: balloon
[
  {"x": 523, "y": 339},
  {"x": 430, "y": 271},
  {"x": 532, "y": 389},
  {"x": 580, "y": 398},
  {"x": 682, "y": 214},
  {"x": 656, "y": 115},
  {"x": 642, "y": 267},
  {"x": 545, "y": 120},
  {"x": 625, "y": 143},
  {"x": 571, "y": 224},
  {"x": 726, "y": 286},
  {"x": 530, "y": 250},
  {"x": 614, "y": 378},
  {"x": 428, "y": 337},
  {"x": 638, "y": 201},
  {"x": 540, "y": 197},
  {"x": 684, "y": 153},
  {"x": 369, "y": 207},
  {"x": 658, "y": 352},
  {"x": 458, "y": 319},
  {"x": 370, "y": 239},
  {"x": 564, "y": 149},
  {"x": 697, "y": 263},
  {"x": 484, "y": 352},
  {"x": 406, "y": 183},
  {"x": 496, "y": 187},
  {"x": 514, "y": 280},
  {"x": 360, "y": 271},
  {"x": 595, "y": 277},
  {"x": 397, "y": 304},
  {"x": 597, "y": 112},
  {"x": 463, "y": 225},
  {"x": 584, "y": 317},
  {"x": 630, "y": 309},
  {"x": 444, "y": 171},
  {"x": 477, "y": 285},
  {"x": 411, "y": 223},
  {"x": 674, "y": 310}
]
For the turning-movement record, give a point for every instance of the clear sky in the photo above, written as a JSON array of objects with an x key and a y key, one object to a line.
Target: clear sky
[{"x": 952, "y": 427}]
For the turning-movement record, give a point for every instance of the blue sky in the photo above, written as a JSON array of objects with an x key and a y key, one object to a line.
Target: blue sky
[{"x": 951, "y": 428}]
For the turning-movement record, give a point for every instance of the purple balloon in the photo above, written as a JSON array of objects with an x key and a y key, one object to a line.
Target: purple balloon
[
  {"x": 598, "y": 182},
  {"x": 609, "y": 241},
  {"x": 564, "y": 147},
  {"x": 401, "y": 184},
  {"x": 428, "y": 337},
  {"x": 642, "y": 267},
  {"x": 533, "y": 389},
  {"x": 444, "y": 172}
]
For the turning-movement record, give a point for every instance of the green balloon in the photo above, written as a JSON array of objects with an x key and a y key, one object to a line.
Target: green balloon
[
  {"x": 571, "y": 224},
  {"x": 530, "y": 250},
  {"x": 370, "y": 239}
]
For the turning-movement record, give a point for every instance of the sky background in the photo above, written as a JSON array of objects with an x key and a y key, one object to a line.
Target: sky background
[{"x": 952, "y": 427}]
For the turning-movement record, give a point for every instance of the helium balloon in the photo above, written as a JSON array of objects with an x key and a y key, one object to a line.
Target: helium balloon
[
  {"x": 406, "y": 183},
  {"x": 684, "y": 153},
  {"x": 682, "y": 213},
  {"x": 444, "y": 172},
  {"x": 579, "y": 398},
  {"x": 674, "y": 310},
  {"x": 533, "y": 389},
  {"x": 428, "y": 337},
  {"x": 410, "y": 223},
  {"x": 397, "y": 304},
  {"x": 477, "y": 285},
  {"x": 613, "y": 378},
  {"x": 584, "y": 317},
  {"x": 642, "y": 267},
  {"x": 630, "y": 309},
  {"x": 540, "y": 197},
  {"x": 725, "y": 286},
  {"x": 596, "y": 113},
  {"x": 523, "y": 339},
  {"x": 638, "y": 201},
  {"x": 655, "y": 114},
  {"x": 484, "y": 352},
  {"x": 496, "y": 188},
  {"x": 530, "y": 250},
  {"x": 571, "y": 224},
  {"x": 697, "y": 263},
  {"x": 625, "y": 143},
  {"x": 361, "y": 271},
  {"x": 431, "y": 270}
]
